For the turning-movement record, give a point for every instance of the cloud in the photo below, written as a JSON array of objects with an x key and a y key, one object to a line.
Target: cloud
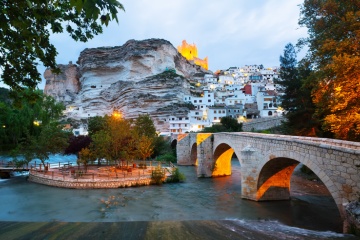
[{"x": 229, "y": 32}]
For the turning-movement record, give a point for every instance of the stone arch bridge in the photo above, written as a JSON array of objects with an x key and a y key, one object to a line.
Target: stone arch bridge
[{"x": 267, "y": 162}]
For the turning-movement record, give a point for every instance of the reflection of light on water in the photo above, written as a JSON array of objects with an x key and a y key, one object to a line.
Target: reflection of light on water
[{"x": 278, "y": 230}]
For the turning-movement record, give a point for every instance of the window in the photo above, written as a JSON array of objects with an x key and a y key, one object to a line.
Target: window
[
  {"x": 229, "y": 110},
  {"x": 200, "y": 100},
  {"x": 214, "y": 111},
  {"x": 215, "y": 118},
  {"x": 196, "y": 113},
  {"x": 185, "y": 125},
  {"x": 209, "y": 100},
  {"x": 173, "y": 125},
  {"x": 180, "y": 118},
  {"x": 202, "y": 107},
  {"x": 223, "y": 111},
  {"x": 208, "y": 95},
  {"x": 195, "y": 101},
  {"x": 173, "y": 119},
  {"x": 185, "y": 99}
]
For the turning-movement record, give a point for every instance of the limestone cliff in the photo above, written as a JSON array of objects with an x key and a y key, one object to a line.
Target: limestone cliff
[{"x": 148, "y": 76}]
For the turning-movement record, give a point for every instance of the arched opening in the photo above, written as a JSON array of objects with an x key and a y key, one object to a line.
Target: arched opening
[
  {"x": 193, "y": 155},
  {"x": 283, "y": 179},
  {"x": 173, "y": 146},
  {"x": 274, "y": 179},
  {"x": 270, "y": 113},
  {"x": 222, "y": 160}
]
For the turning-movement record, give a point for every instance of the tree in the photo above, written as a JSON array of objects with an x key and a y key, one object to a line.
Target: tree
[
  {"x": 77, "y": 143},
  {"x": 145, "y": 147},
  {"x": 289, "y": 79},
  {"x": 144, "y": 125},
  {"x": 333, "y": 43},
  {"x": 22, "y": 119},
  {"x": 96, "y": 124},
  {"x": 85, "y": 156},
  {"x": 52, "y": 139},
  {"x": 25, "y": 28},
  {"x": 228, "y": 124}
]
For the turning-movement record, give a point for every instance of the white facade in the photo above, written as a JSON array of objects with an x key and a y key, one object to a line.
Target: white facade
[
  {"x": 214, "y": 114},
  {"x": 267, "y": 104}
]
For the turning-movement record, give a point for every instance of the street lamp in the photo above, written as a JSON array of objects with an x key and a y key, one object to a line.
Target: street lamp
[
  {"x": 117, "y": 114},
  {"x": 37, "y": 122}
]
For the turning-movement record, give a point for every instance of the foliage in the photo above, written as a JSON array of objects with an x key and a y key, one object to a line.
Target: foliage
[
  {"x": 158, "y": 175},
  {"x": 168, "y": 157},
  {"x": 4, "y": 95},
  {"x": 85, "y": 157},
  {"x": 116, "y": 138},
  {"x": 161, "y": 146},
  {"x": 96, "y": 124},
  {"x": 145, "y": 147},
  {"x": 176, "y": 176},
  {"x": 297, "y": 95},
  {"x": 144, "y": 126},
  {"x": 228, "y": 124},
  {"x": 289, "y": 78},
  {"x": 27, "y": 118},
  {"x": 76, "y": 143},
  {"x": 25, "y": 28},
  {"x": 333, "y": 44},
  {"x": 52, "y": 139}
]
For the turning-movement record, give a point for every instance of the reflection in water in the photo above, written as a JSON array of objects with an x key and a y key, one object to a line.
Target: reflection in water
[{"x": 195, "y": 199}]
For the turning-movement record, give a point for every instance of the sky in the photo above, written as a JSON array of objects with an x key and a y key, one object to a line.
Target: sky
[{"x": 231, "y": 33}]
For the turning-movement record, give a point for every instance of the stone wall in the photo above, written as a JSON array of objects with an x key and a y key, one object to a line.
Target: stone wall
[
  {"x": 88, "y": 183},
  {"x": 262, "y": 123}
]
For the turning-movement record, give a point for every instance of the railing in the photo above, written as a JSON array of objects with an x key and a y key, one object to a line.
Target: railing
[{"x": 67, "y": 172}]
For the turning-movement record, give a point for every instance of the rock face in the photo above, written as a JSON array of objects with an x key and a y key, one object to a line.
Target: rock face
[{"x": 140, "y": 77}]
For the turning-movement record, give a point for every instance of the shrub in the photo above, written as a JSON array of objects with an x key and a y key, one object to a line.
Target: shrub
[
  {"x": 176, "y": 176},
  {"x": 158, "y": 176},
  {"x": 168, "y": 157}
]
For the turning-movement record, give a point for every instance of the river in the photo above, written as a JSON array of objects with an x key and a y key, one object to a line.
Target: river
[{"x": 195, "y": 199}]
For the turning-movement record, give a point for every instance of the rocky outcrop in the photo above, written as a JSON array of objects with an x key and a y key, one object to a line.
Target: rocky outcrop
[
  {"x": 148, "y": 76},
  {"x": 65, "y": 85}
]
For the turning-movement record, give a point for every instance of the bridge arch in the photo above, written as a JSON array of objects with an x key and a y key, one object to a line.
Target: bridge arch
[
  {"x": 173, "y": 144},
  {"x": 193, "y": 155},
  {"x": 222, "y": 160},
  {"x": 275, "y": 174}
]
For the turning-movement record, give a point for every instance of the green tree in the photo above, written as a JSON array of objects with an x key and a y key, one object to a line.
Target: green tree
[
  {"x": 289, "y": 78},
  {"x": 228, "y": 124},
  {"x": 51, "y": 140},
  {"x": 96, "y": 124},
  {"x": 25, "y": 28},
  {"x": 144, "y": 125},
  {"x": 333, "y": 43}
]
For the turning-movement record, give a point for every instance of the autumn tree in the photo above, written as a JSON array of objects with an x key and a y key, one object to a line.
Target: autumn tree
[
  {"x": 334, "y": 52},
  {"x": 26, "y": 26},
  {"x": 85, "y": 157},
  {"x": 145, "y": 147}
]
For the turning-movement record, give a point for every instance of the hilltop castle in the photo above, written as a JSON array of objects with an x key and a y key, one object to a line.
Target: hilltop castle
[{"x": 190, "y": 52}]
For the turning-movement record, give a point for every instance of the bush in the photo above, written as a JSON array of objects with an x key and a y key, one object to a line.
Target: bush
[
  {"x": 168, "y": 157},
  {"x": 158, "y": 176},
  {"x": 176, "y": 176}
]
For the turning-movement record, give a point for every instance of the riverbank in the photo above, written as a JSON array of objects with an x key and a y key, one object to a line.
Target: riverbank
[{"x": 95, "y": 177}]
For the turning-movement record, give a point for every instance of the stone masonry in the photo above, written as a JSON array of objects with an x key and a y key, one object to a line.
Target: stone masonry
[{"x": 267, "y": 162}]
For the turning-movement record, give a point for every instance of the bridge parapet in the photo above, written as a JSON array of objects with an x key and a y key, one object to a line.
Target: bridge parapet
[{"x": 268, "y": 160}]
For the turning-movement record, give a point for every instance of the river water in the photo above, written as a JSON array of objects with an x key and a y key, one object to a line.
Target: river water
[{"x": 195, "y": 199}]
